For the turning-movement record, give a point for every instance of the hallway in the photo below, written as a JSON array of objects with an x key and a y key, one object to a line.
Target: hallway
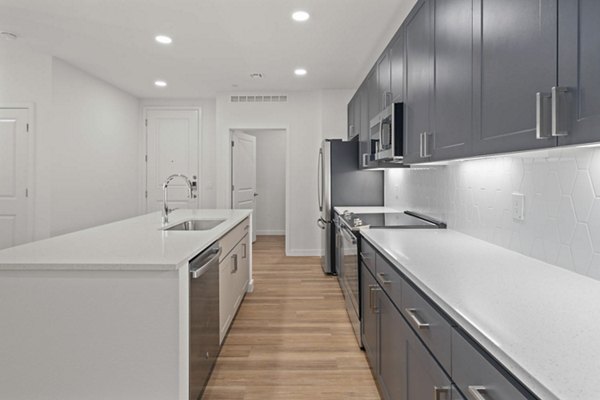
[{"x": 292, "y": 338}]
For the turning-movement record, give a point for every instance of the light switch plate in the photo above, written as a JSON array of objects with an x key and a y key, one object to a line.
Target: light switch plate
[{"x": 518, "y": 206}]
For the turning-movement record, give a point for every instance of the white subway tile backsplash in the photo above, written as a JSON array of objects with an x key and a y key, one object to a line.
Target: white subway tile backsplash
[{"x": 562, "y": 202}]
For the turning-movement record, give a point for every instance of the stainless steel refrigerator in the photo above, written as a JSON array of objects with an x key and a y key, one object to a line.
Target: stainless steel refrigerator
[{"x": 342, "y": 183}]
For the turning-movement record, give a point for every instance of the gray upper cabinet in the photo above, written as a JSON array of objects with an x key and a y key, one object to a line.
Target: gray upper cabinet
[
  {"x": 369, "y": 106},
  {"x": 373, "y": 90},
  {"x": 419, "y": 81},
  {"x": 396, "y": 51},
  {"x": 453, "y": 89},
  {"x": 354, "y": 116},
  {"x": 384, "y": 77},
  {"x": 579, "y": 71},
  {"x": 515, "y": 57}
]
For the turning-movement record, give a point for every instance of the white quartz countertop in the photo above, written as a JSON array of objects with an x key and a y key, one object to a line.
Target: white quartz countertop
[
  {"x": 365, "y": 210},
  {"x": 137, "y": 243},
  {"x": 540, "y": 321}
]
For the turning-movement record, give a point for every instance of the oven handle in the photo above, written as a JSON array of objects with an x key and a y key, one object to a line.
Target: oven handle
[{"x": 348, "y": 234}]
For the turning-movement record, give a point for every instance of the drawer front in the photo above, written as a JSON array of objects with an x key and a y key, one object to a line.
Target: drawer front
[
  {"x": 233, "y": 237},
  {"x": 429, "y": 324},
  {"x": 389, "y": 279},
  {"x": 367, "y": 254},
  {"x": 475, "y": 375}
]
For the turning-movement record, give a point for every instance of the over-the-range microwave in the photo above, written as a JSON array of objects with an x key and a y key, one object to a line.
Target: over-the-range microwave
[{"x": 386, "y": 133}]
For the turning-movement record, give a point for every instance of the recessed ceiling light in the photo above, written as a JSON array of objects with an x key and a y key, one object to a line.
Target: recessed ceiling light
[
  {"x": 300, "y": 71},
  {"x": 300, "y": 16},
  {"x": 8, "y": 35},
  {"x": 160, "y": 83},
  {"x": 162, "y": 39}
]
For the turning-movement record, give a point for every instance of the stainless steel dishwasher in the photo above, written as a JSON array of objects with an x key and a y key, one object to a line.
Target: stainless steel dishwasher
[{"x": 204, "y": 318}]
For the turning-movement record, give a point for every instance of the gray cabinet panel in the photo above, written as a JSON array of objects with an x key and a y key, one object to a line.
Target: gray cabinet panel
[
  {"x": 352, "y": 111},
  {"x": 424, "y": 374},
  {"x": 363, "y": 133},
  {"x": 514, "y": 58},
  {"x": 392, "y": 345},
  {"x": 453, "y": 93},
  {"x": 419, "y": 79},
  {"x": 368, "y": 255},
  {"x": 389, "y": 280},
  {"x": 579, "y": 66},
  {"x": 384, "y": 80},
  {"x": 471, "y": 370},
  {"x": 428, "y": 323},
  {"x": 369, "y": 318},
  {"x": 397, "y": 66},
  {"x": 373, "y": 90}
]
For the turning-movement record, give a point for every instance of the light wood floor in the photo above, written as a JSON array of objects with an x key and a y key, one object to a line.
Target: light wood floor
[{"x": 291, "y": 339}]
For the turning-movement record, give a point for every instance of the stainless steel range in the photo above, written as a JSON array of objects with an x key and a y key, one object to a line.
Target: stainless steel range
[{"x": 347, "y": 241}]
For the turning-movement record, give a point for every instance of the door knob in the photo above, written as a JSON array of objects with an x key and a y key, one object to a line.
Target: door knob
[{"x": 255, "y": 194}]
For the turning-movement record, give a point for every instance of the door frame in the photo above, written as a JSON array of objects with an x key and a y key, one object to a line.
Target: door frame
[
  {"x": 143, "y": 150},
  {"x": 286, "y": 132},
  {"x": 31, "y": 164}
]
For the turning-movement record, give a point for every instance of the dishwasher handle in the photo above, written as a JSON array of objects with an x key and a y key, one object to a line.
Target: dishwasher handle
[{"x": 199, "y": 271}]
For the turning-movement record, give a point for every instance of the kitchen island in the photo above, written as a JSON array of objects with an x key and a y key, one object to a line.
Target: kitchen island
[{"x": 103, "y": 313}]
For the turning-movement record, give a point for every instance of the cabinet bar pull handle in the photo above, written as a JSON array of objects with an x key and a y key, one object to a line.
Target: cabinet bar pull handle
[
  {"x": 475, "y": 392},
  {"x": 421, "y": 145},
  {"x": 245, "y": 249},
  {"x": 557, "y": 122},
  {"x": 235, "y": 263},
  {"x": 437, "y": 391},
  {"x": 372, "y": 290},
  {"x": 382, "y": 278},
  {"x": 541, "y": 127},
  {"x": 412, "y": 312},
  {"x": 425, "y": 145}
]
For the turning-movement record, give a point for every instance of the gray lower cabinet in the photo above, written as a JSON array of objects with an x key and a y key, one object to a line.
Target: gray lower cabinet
[
  {"x": 369, "y": 318},
  {"x": 426, "y": 379},
  {"x": 515, "y": 57},
  {"x": 420, "y": 354},
  {"x": 578, "y": 66},
  {"x": 475, "y": 376},
  {"x": 419, "y": 82},
  {"x": 393, "y": 334}
]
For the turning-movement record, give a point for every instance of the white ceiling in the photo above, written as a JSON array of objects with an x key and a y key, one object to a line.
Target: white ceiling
[{"x": 216, "y": 43}]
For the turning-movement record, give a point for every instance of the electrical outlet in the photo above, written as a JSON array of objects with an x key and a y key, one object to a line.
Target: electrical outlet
[{"x": 518, "y": 206}]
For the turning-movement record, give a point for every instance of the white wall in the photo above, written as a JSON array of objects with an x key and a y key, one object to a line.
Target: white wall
[
  {"x": 26, "y": 77},
  {"x": 86, "y": 141},
  {"x": 208, "y": 155},
  {"x": 270, "y": 181},
  {"x": 562, "y": 202},
  {"x": 94, "y": 153},
  {"x": 304, "y": 116}
]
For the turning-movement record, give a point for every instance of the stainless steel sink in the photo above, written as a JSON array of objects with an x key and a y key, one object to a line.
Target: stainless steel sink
[{"x": 196, "y": 225}]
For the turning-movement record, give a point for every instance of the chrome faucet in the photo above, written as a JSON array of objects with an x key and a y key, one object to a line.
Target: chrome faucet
[{"x": 165, "y": 209}]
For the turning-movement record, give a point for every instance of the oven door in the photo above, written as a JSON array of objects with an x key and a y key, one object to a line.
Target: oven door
[{"x": 349, "y": 276}]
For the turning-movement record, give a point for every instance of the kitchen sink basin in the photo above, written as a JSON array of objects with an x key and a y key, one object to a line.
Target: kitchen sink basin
[{"x": 196, "y": 225}]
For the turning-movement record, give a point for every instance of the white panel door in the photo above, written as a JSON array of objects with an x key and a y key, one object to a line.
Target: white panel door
[
  {"x": 243, "y": 164},
  {"x": 14, "y": 162},
  {"x": 173, "y": 147}
]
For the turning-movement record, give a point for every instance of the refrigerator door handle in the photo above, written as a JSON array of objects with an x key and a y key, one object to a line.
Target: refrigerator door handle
[{"x": 320, "y": 180}]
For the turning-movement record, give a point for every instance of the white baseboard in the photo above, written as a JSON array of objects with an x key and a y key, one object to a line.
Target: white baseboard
[
  {"x": 303, "y": 252},
  {"x": 250, "y": 288},
  {"x": 270, "y": 232}
]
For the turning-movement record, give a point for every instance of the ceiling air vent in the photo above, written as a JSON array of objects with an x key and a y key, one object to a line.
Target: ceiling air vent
[{"x": 258, "y": 99}]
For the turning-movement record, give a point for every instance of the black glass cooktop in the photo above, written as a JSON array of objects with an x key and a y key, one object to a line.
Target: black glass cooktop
[{"x": 402, "y": 220}]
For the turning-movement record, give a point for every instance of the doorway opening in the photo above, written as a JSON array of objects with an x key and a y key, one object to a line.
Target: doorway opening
[{"x": 259, "y": 178}]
